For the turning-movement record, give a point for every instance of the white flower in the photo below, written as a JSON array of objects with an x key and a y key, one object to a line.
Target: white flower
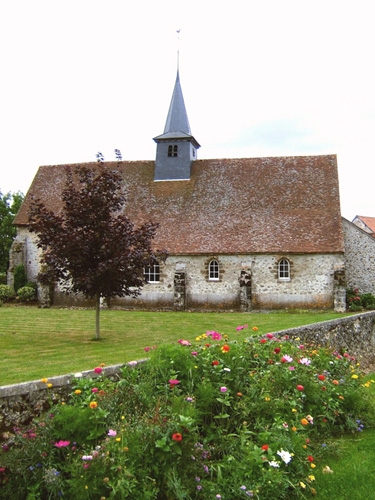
[
  {"x": 274, "y": 464},
  {"x": 285, "y": 456},
  {"x": 226, "y": 369},
  {"x": 78, "y": 375}
]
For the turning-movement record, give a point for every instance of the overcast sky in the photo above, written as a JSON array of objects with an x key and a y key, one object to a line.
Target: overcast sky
[{"x": 259, "y": 78}]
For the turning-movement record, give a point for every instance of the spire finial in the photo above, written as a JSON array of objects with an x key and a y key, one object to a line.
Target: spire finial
[{"x": 178, "y": 49}]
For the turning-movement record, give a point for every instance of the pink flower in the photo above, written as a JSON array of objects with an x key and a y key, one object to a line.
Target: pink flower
[
  {"x": 241, "y": 327},
  {"x": 286, "y": 359},
  {"x": 94, "y": 389},
  {"x": 269, "y": 335},
  {"x": 184, "y": 342},
  {"x": 62, "y": 444},
  {"x": 112, "y": 432},
  {"x": 214, "y": 335},
  {"x": 300, "y": 388},
  {"x": 146, "y": 349},
  {"x": 223, "y": 389},
  {"x": 172, "y": 382},
  {"x": 194, "y": 353},
  {"x": 98, "y": 370}
]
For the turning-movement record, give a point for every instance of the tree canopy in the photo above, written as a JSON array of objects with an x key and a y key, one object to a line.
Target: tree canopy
[
  {"x": 10, "y": 203},
  {"x": 90, "y": 246}
]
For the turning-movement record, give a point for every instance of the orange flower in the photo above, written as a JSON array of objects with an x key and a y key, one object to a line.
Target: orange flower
[
  {"x": 177, "y": 436},
  {"x": 93, "y": 405},
  {"x": 336, "y": 382},
  {"x": 225, "y": 348},
  {"x": 304, "y": 421}
]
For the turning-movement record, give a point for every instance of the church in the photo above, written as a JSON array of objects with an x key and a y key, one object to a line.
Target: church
[{"x": 242, "y": 234}]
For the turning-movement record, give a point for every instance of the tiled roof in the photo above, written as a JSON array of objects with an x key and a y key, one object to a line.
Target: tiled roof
[
  {"x": 229, "y": 206},
  {"x": 368, "y": 221}
]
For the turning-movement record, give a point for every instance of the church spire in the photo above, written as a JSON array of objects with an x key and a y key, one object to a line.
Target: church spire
[{"x": 176, "y": 147}]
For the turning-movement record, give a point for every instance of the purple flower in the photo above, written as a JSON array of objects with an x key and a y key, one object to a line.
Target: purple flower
[{"x": 223, "y": 389}]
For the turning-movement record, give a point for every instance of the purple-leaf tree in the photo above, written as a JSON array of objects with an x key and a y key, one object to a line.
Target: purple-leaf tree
[{"x": 90, "y": 246}]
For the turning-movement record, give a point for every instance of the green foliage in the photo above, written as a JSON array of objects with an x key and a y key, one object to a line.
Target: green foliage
[
  {"x": 356, "y": 301},
  {"x": 20, "y": 277},
  {"x": 6, "y": 293},
  {"x": 26, "y": 294},
  {"x": 218, "y": 419},
  {"x": 10, "y": 203}
]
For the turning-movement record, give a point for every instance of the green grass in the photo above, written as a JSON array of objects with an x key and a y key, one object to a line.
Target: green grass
[
  {"x": 38, "y": 343},
  {"x": 353, "y": 464}
]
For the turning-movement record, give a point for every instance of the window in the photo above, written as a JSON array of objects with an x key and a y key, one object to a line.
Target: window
[
  {"x": 213, "y": 270},
  {"x": 284, "y": 269},
  {"x": 173, "y": 151},
  {"x": 152, "y": 273}
]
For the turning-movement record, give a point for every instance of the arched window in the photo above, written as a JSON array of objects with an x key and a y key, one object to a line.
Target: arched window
[
  {"x": 284, "y": 269},
  {"x": 152, "y": 273},
  {"x": 173, "y": 150},
  {"x": 213, "y": 270}
]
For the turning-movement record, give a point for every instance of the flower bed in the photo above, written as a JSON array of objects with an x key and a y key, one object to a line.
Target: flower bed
[{"x": 224, "y": 418}]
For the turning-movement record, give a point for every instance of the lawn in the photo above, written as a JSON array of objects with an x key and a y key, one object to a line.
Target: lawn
[{"x": 38, "y": 343}]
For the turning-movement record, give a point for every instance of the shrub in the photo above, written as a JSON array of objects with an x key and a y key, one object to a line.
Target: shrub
[
  {"x": 6, "y": 293},
  {"x": 20, "y": 277},
  {"x": 356, "y": 301},
  {"x": 26, "y": 294},
  {"x": 219, "y": 419},
  {"x": 368, "y": 301}
]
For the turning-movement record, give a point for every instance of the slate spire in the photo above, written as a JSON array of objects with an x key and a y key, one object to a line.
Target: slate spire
[{"x": 176, "y": 147}]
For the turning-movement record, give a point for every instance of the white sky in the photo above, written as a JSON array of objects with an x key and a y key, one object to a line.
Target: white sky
[{"x": 260, "y": 78}]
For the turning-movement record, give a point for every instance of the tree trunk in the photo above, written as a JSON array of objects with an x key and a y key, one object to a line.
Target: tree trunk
[{"x": 97, "y": 317}]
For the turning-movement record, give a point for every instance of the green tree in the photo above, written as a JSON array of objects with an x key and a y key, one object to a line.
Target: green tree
[
  {"x": 9, "y": 205},
  {"x": 90, "y": 246}
]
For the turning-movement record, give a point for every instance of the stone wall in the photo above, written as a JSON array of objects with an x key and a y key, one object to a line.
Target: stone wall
[
  {"x": 359, "y": 258},
  {"x": 355, "y": 334}
]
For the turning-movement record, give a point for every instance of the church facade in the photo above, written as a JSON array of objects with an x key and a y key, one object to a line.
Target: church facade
[{"x": 242, "y": 234}]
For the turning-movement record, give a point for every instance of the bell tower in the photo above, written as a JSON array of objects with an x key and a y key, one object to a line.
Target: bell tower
[{"x": 176, "y": 148}]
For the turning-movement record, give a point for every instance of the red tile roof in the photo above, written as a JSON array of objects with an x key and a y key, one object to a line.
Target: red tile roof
[
  {"x": 229, "y": 206},
  {"x": 368, "y": 221}
]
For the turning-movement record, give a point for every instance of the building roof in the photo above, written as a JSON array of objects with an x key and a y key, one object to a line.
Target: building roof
[
  {"x": 177, "y": 125},
  {"x": 229, "y": 206},
  {"x": 369, "y": 222}
]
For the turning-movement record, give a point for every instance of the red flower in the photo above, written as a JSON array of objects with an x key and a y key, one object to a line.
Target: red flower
[
  {"x": 177, "y": 436},
  {"x": 321, "y": 377},
  {"x": 300, "y": 388},
  {"x": 225, "y": 348},
  {"x": 263, "y": 341},
  {"x": 269, "y": 335},
  {"x": 265, "y": 447},
  {"x": 215, "y": 363},
  {"x": 277, "y": 350},
  {"x": 310, "y": 458}
]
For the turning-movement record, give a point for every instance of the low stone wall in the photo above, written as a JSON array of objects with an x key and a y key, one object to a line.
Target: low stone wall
[{"x": 19, "y": 403}]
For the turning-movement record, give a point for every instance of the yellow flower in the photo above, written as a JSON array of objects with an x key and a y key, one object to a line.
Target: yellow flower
[
  {"x": 44, "y": 380},
  {"x": 354, "y": 376},
  {"x": 49, "y": 386},
  {"x": 303, "y": 485},
  {"x": 312, "y": 466},
  {"x": 93, "y": 405},
  {"x": 267, "y": 398},
  {"x": 312, "y": 478},
  {"x": 77, "y": 391},
  {"x": 366, "y": 384},
  {"x": 341, "y": 397},
  {"x": 118, "y": 439},
  {"x": 294, "y": 410},
  {"x": 304, "y": 446}
]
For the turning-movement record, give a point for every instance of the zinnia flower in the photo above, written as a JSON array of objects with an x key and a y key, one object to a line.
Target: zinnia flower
[
  {"x": 225, "y": 348},
  {"x": 93, "y": 405},
  {"x": 321, "y": 377},
  {"x": 77, "y": 391},
  {"x": 304, "y": 421},
  {"x": 265, "y": 447},
  {"x": 98, "y": 370},
  {"x": 172, "y": 382},
  {"x": 223, "y": 389},
  {"x": 300, "y": 388},
  {"x": 285, "y": 456},
  {"x": 215, "y": 362},
  {"x": 62, "y": 444},
  {"x": 177, "y": 436}
]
